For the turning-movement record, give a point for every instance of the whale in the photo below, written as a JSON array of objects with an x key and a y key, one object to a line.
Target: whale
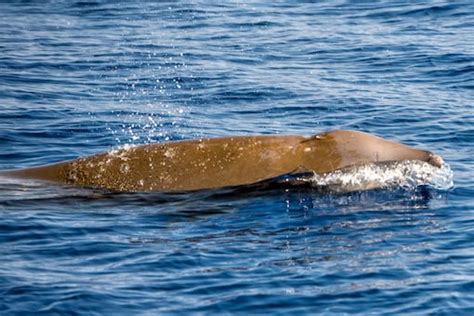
[{"x": 210, "y": 163}]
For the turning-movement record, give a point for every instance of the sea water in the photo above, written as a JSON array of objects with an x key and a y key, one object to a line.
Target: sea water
[{"x": 82, "y": 77}]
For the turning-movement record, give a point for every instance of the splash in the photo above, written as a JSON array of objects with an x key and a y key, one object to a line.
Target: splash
[{"x": 407, "y": 174}]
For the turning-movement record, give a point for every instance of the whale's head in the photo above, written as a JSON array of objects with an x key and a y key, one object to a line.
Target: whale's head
[
  {"x": 338, "y": 149},
  {"x": 435, "y": 160}
]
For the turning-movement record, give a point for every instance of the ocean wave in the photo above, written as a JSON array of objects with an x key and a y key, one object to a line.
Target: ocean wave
[{"x": 408, "y": 174}]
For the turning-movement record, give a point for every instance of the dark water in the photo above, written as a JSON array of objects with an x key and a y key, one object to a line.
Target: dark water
[{"x": 82, "y": 77}]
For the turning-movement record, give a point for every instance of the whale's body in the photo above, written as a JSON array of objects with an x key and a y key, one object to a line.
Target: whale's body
[{"x": 222, "y": 162}]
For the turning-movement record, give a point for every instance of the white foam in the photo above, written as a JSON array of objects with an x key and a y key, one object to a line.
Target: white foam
[
  {"x": 407, "y": 174},
  {"x": 121, "y": 152}
]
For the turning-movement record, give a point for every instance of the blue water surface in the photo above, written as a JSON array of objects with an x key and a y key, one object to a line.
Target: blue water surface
[{"x": 82, "y": 77}]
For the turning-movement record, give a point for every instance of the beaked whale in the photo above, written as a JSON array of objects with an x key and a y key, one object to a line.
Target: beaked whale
[{"x": 222, "y": 162}]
